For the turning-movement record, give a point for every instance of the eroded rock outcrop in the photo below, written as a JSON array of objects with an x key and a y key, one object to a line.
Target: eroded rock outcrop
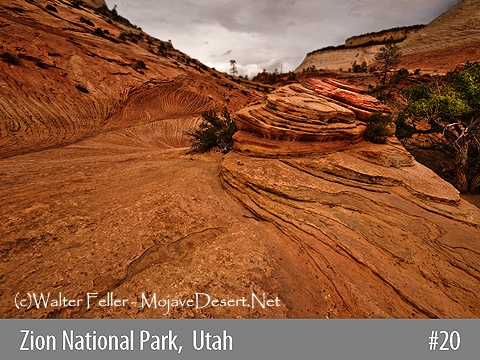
[
  {"x": 384, "y": 236},
  {"x": 320, "y": 116},
  {"x": 73, "y": 74},
  {"x": 383, "y": 241}
]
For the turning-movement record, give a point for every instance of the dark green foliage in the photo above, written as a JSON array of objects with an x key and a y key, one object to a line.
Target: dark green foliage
[
  {"x": 51, "y": 8},
  {"x": 82, "y": 88},
  {"x": 389, "y": 58},
  {"x": 113, "y": 14},
  {"x": 452, "y": 108},
  {"x": 400, "y": 74},
  {"x": 356, "y": 68},
  {"x": 123, "y": 36},
  {"x": 213, "y": 132},
  {"x": 376, "y": 131},
  {"x": 403, "y": 130},
  {"x": 9, "y": 58}
]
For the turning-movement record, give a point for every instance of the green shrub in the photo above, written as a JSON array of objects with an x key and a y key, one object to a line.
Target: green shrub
[
  {"x": 214, "y": 131},
  {"x": 376, "y": 131},
  {"x": 403, "y": 130}
]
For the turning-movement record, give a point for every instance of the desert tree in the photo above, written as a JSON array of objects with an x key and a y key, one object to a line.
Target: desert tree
[
  {"x": 389, "y": 58},
  {"x": 453, "y": 110},
  {"x": 233, "y": 67}
]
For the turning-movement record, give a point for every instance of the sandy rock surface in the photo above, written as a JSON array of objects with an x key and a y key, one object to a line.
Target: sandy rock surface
[
  {"x": 382, "y": 241},
  {"x": 138, "y": 222}
]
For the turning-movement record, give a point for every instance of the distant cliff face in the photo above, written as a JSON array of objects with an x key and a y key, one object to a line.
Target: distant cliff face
[
  {"x": 395, "y": 34},
  {"x": 340, "y": 59},
  {"x": 451, "y": 39}
]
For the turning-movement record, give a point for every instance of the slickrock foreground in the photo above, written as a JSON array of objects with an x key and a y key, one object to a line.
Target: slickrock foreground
[
  {"x": 317, "y": 224},
  {"x": 323, "y": 116},
  {"x": 381, "y": 235}
]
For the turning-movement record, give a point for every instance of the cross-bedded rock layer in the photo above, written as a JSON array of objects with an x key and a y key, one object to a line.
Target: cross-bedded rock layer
[
  {"x": 73, "y": 74},
  {"x": 381, "y": 235},
  {"x": 319, "y": 116}
]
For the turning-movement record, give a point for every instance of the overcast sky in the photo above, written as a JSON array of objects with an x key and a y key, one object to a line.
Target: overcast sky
[{"x": 269, "y": 34}]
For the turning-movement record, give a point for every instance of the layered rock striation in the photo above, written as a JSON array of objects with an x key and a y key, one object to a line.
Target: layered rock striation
[
  {"x": 72, "y": 74},
  {"x": 377, "y": 234},
  {"x": 380, "y": 235},
  {"x": 320, "y": 116},
  {"x": 450, "y": 40}
]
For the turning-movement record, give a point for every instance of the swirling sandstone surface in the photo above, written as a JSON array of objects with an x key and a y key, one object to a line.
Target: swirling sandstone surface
[
  {"x": 76, "y": 79},
  {"x": 383, "y": 235}
]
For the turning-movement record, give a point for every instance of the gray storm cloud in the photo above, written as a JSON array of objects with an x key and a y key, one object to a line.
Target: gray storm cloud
[{"x": 269, "y": 34}]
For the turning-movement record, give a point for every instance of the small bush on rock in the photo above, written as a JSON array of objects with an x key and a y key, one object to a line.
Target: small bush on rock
[
  {"x": 213, "y": 132},
  {"x": 377, "y": 131}
]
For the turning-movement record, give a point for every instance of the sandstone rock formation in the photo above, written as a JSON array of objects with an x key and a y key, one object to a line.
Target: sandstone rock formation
[
  {"x": 448, "y": 41},
  {"x": 322, "y": 116},
  {"x": 383, "y": 236},
  {"x": 79, "y": 74},
  {"x": 348, "y": 230},
  {"x": 395, "y": 34}
]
